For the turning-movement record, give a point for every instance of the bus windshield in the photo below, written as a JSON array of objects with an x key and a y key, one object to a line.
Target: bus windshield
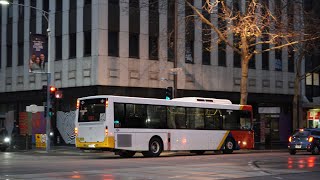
[{"x": 92, "y": 110}]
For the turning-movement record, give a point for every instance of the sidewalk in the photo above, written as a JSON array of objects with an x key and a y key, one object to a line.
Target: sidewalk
[{"x": 72, "y": 150}]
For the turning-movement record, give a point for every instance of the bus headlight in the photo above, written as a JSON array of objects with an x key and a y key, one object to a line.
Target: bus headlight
[{"x": 6, "y": 140}]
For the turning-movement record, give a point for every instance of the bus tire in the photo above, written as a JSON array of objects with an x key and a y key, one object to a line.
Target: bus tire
[
  {"x": 127, "y": 154},
  {"x": 228, "y": 146},
  {"x": 155, "y": 148}
]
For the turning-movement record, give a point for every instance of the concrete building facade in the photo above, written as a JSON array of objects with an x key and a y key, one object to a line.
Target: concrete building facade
[{"x": 108, "y": 47}]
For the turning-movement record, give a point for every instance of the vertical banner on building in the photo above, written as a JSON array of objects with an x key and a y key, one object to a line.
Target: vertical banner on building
[{"x": 38, "y": 53}]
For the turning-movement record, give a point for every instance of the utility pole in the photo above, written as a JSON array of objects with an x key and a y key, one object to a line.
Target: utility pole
[
  {"x": 175, "y": 62},
  {"x": 45, "y": 14}
]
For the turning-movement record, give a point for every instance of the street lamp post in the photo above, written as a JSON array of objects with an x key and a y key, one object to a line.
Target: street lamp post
[{"x": 45, "y": 14}]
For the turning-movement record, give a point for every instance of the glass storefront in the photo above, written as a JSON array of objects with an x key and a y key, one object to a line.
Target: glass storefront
[{"x": 313, "y": 118}]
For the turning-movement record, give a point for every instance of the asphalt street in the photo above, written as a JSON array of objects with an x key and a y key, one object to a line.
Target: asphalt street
[{"x": 66, "y": 164}]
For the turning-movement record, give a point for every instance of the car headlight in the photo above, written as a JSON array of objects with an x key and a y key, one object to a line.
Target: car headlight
[{"x": 6, "y": 139}]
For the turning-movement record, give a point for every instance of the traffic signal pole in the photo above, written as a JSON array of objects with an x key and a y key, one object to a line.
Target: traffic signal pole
[{"x": 48, "y": 118}]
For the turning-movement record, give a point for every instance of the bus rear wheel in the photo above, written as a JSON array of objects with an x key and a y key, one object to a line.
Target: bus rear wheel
[
  {"x": 127, "y": 154},
  {"x": 155, "y": 148},
  {"x": 228, "y": 146}
]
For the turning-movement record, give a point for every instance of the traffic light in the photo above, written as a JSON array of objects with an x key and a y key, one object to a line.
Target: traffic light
[
  {"x": 51, "y": 112},
  {"x": 58, "y": 94},
  {"x": 44, "y": 93},
  {"x": 168, "y": 93},
  {"x": 52, "y": 94}
]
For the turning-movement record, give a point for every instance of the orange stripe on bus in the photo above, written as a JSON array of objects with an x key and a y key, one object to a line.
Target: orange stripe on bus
[{"x": 223, "y": 139}]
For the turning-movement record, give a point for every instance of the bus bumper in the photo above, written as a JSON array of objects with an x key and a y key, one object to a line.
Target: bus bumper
[{"x": 108, "y": 143}]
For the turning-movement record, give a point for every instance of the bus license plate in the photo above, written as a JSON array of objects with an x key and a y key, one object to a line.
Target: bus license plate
[
  {"x": 298, "y": 146},
  {"x": 91, "y": 145}
]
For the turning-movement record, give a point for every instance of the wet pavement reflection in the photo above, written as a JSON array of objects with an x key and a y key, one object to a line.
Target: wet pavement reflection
[{"x": 302, "y": 162}]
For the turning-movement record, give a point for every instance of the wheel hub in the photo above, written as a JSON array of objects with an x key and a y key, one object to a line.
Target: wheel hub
[
  {"x": 229, "y": 145},
  {"x": 155, "y": 147}
]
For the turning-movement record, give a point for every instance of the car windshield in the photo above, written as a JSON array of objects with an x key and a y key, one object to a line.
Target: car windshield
[{"x": 300, "y": 133}]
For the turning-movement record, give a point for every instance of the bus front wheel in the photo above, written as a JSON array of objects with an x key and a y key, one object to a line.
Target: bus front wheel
[
  {"x": 228, "y": 146},
  {"x": 155, "y": 148},
  {"x": 127, "y": 154}
]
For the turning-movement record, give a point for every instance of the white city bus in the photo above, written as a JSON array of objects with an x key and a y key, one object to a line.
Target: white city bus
[{"x": 126, "y": 125}]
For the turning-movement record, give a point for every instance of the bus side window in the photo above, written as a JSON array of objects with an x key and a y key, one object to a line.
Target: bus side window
[
  {"x": 171, "y": 118},
  {"x": 118, "y": 114},
  {"x": 180, "y": 118},
  {"x": 195, "y": 118},
  {"x": 213, "y": 119}
]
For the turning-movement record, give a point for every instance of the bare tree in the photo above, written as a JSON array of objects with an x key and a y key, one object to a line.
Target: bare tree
[
  {"x": 302, "y": 50},
  {"x": 256, "y": 26}
]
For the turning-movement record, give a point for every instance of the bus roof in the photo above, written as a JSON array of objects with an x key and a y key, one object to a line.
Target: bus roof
[{"x": 185, "y": 102}]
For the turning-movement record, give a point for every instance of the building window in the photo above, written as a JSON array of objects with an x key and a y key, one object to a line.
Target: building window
[
  {"x": 87, "y": 43},
  {"x": 73, "y": 29},
  {"x": 265, "y": 54},
  {"x": 189, "y": 51},
  {"x": 189, "y": 36},
  {"x": 290, "y": 59},
  {"x": 33, "y": 17},
  {"x": 278, "y": 60},
  {"x": 153, "y": 47},
  {"x": 113, "y": 43},
  {"x": 20, "y": 34},
  {"x": 9, "y": 55},
  {"x": 10, "y": 13},
  {"x": 278, "y": 52},
  {"x": 9, "y": 43},
  {"x": 236, "y": 38},
  {"x": 134, "y": 45},
  {"x": 265, "y": 57},
  {"x": 87, "y": 25},
  {"x": 87, "y": 16},
  {"x": 113, "y": 24},
  {"x": 58, "y": 30},
  {"x": 315, "y": 79},
  {"x": 236, "y": 55},
  {"x": 170, "y": 30},
  {"x": 72, "y": 45},
  {"x": 21, "y": 9},
  {"x": 45, "y": 7},
  {"x": 73, "y": 4},
  {"x": 206, "y": 38},
  {"x": 33, "y": 12},
  {"x": 58, "y": 47},
  {"x": 58, "y": 5},
  {"x": 222, "y": 25},
  {"x": 134, "y": 28},
  {"x": 309, "y": 79},
  {"x": 20, "y": 54},
  {"x": 153, "y": 29},
  {"x": 222, "y": 54}
]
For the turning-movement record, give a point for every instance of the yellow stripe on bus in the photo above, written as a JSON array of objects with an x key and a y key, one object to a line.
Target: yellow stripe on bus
[
  {"x": 223, "y": 139},
  {"x": 107, "y": 143}
]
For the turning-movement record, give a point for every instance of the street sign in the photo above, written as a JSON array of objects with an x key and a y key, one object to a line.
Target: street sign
[{"x": 34, "y": 108}]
